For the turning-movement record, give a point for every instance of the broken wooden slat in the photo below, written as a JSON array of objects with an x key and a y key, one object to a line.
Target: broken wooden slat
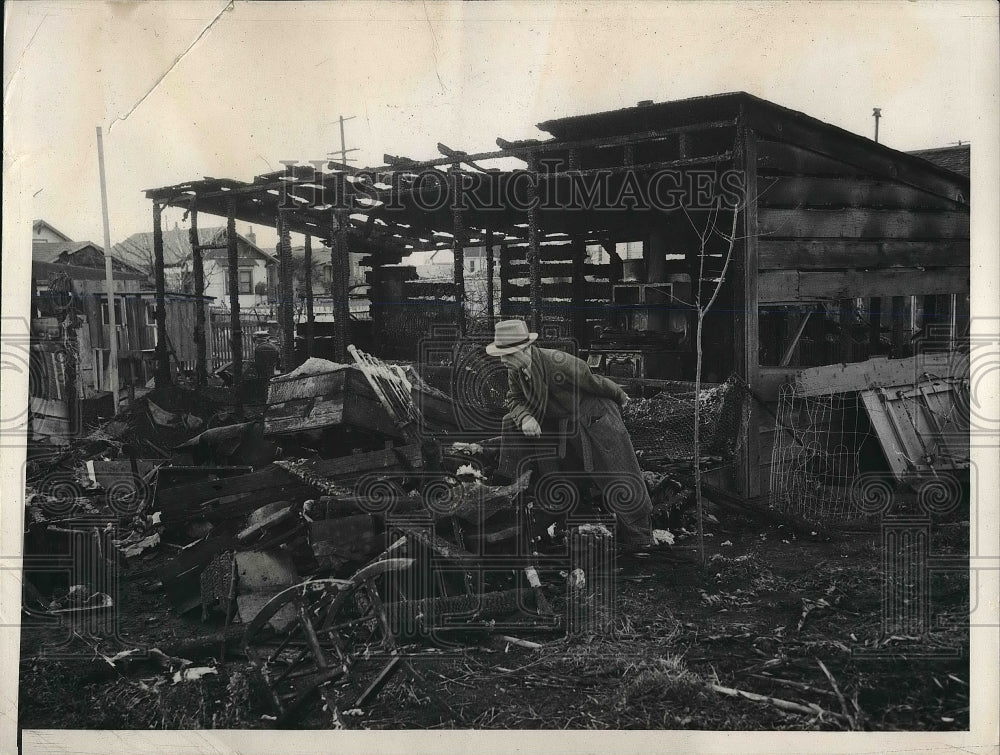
[
  {"x": 881, "y": 371},
  {"x": 440, "y": 546},
  {"x": 906, "y": 423}
]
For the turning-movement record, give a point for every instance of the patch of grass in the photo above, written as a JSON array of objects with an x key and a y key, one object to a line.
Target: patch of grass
[{"x": 662, "y": 680}]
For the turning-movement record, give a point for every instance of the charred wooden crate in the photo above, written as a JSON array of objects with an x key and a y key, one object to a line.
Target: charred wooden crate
[{"x": 325, "y": 396}]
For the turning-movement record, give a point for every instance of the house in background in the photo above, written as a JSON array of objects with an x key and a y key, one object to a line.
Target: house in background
[
  {"x": 322, "y": 269},
  {"x": 41, "y": 231},
  {"x": 438, "y": 265},
  {"x": 257, "y": 273},
  {"x": 71, "y": 335},
  {"x": 322, "y": 283},
  {"x": 955, "y": 157}
]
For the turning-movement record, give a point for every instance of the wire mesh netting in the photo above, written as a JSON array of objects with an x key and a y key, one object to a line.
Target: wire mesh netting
[
  {"x": 823, "y": 457},
  {"x": 664, "y": 424}
]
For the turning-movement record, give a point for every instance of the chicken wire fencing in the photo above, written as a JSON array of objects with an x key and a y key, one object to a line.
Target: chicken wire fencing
[
  {"x": 663, "y": 426},
  {"x": 825, "y": 459}
]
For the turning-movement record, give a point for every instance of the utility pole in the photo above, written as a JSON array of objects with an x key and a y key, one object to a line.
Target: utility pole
[
  {"x": 109, "y": 281},
  {"x": 343, "y": 142},
  {"x": 877, "y": 112}
]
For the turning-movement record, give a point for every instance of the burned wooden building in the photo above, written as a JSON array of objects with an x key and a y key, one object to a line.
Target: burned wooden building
[{"x": 792, "y": 242}]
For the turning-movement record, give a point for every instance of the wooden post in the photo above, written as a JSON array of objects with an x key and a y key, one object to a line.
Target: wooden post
[
  {"x": 846, "y": 320},
  {"x": 236, "y": 329},
  {"x": 591, "y": 599},
  {"x": 875, "y": 325},
  {"x": 898, "y": 326},
  {"x": 198, "y": 264},
  {"x": 952, "y": 321},
  {"x": 458, "y": 248},
  {"x": 340, "y": 260},
  {"x": 930, "y": 324},
  {"x": 286, "y": 298},
  {"x": 162, "y": 364},
  {"x": 579, "y": 317},
  {"x": 490, "y": 309},
  {"x": 534, "y": 255},
  {"x": 109, "y": 277},
  {"x": 747, "y": 331},
  {"x": 786, "y": 358},
  {"x": 310, "y": 317},
  {"x": 504, "y": 281},
  {"x": 71, "y": 352}
]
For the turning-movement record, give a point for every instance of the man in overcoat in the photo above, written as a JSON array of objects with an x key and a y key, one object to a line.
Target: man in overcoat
[{"x": 568, "y": 420}]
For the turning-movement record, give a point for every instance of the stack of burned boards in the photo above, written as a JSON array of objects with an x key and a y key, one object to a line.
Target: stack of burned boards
[{"x": 321, "y": 394}]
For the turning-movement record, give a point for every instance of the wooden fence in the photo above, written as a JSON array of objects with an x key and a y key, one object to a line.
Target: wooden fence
[{"x": 221, "y": 345}]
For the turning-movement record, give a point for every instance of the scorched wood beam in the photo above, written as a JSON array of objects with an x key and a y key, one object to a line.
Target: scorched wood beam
[
  {"x": 490, "y": 265},
  {"x": 198, "y": 265},
  {"x": 310, "y": 316},
  {"x": 236, "y": 329},
  {"x": 286, "y": 303},
  {"x": 162, "y": 363},
  {"x": 341, "y": 269},
  {"x": 534, "y": 261},
  {"x": 744, "y": 267},
  {"x": 458, "y": 248}
]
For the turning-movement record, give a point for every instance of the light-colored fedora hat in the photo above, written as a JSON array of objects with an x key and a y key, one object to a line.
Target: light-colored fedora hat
[{"x": 510, "y": 336}]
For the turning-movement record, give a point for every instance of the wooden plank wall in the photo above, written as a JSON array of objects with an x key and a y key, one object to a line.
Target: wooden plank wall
[
  {"x": 831, "y": 230},
  {"x": 557, "y": 288}
]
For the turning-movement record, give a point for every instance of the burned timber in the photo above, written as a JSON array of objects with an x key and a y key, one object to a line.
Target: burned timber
[{"x": 295, "y": 522}]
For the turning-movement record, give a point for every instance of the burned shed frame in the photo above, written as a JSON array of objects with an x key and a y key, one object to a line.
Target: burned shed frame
[{"x": 781, "y": 212}]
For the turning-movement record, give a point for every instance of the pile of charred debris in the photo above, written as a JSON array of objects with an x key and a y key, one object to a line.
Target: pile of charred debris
[{"x": 328, "y": 534}]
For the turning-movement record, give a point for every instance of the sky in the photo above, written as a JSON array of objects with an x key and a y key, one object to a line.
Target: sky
[{"x": 184, "y": 90}]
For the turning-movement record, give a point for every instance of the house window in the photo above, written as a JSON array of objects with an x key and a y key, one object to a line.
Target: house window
[
  {"x": 245, "y": 281},
  {"x": 472, "y": 266}
]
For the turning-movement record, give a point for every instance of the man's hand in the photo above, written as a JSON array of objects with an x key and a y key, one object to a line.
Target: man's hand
[
  {"x": 625, "y": 399},
  {"x": 530, "y": 427}
]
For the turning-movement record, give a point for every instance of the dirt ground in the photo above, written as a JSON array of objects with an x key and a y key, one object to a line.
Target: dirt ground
[{"x": 762, "y": 617}]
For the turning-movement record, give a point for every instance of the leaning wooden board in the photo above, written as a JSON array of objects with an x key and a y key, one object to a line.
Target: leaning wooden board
[{"x": 340, "y": 397}]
